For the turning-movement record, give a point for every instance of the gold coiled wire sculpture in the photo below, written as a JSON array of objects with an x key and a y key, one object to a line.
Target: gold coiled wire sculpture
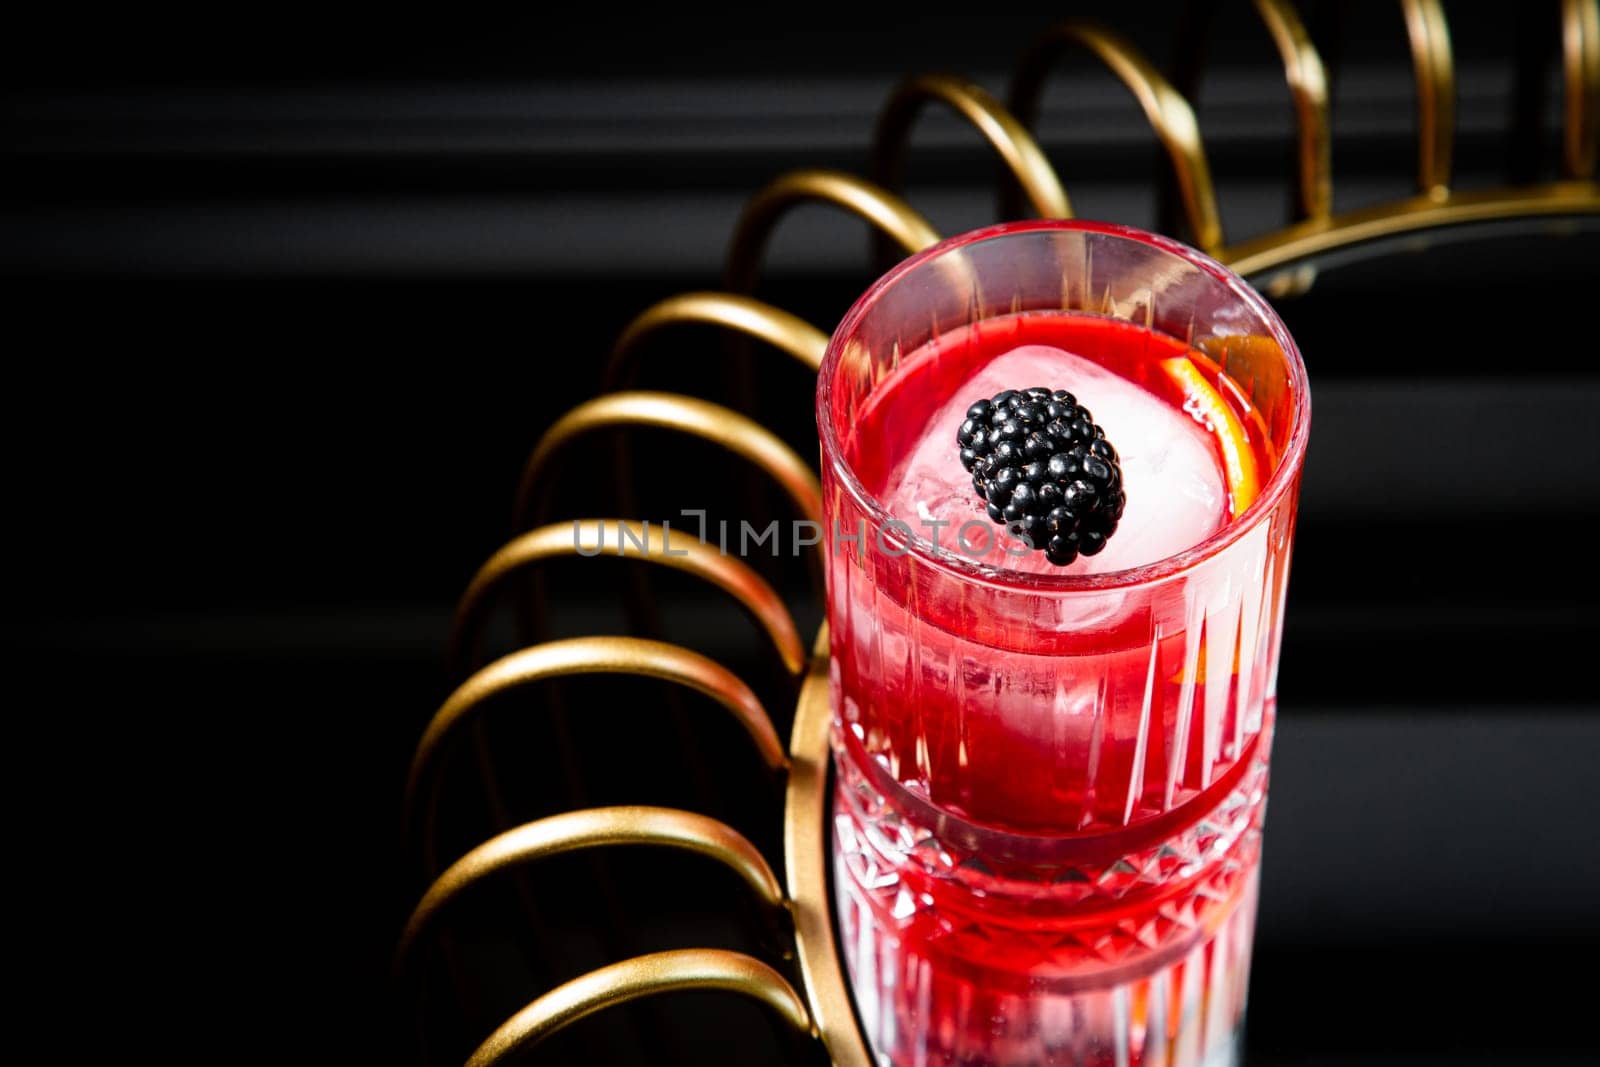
[{"x": 808, "y": 990}]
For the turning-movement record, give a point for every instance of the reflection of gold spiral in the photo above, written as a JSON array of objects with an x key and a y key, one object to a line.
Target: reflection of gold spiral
[
  {"x": 661, "y": 972},
  {"x": 593, "y": 656},
  {"x": 731, "y": 311},
  {"x": 688, "y": 554},
  {"x": 1168, "y": 113},
  {"x": 887, "y": 213},
  {"x": 1580, "y": 66},
  {"x": 593, "y": 828},
  {"x": 668, "y": 411},
  {"x": 1008, "y": 137},
  {"x": 1434, "y": 64}
]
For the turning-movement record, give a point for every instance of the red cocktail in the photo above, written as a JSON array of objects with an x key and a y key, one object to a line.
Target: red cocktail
[{"x": 1051, "y": 774}]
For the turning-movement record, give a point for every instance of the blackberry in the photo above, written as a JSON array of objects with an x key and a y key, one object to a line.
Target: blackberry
[{"x": 1044, "y": 470}]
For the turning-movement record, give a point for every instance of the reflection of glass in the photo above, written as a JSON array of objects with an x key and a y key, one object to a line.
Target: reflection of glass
[{"x": 1051, "y": 782}]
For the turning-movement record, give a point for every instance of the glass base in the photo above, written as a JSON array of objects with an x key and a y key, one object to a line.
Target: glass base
[{"x": 1141, "y": 962}]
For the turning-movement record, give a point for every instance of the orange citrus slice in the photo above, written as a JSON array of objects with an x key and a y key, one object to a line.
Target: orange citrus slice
[
  {"x": 1251, "y": 351},
  {"x": 1201, "y": 399}
]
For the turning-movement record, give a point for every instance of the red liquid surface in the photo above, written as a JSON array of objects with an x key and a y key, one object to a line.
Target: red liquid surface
[{"x": 1046, "y": 829}]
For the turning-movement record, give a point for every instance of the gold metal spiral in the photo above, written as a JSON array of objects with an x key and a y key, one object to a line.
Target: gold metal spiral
[
  {"x": 583, "y": 537},
  {"x": 591, "y": 828},
  {"x": 732, "y": 311},
  {"x": 1308, "y": 90},
  {"x": 593, "y": 656},
  {"x": 826, "y": 1009},
  {"x": 669, "y": 411},
  {"x": 1168, "y": 113},
  {"x": 886, "y": 212},
  {"x": 805, "y": 849},
  {"x": 1008, "y": 137},
  {"x": 1303, "y": 241},
  {"x": 644, "y": 976},
  {"x": 1308, "y": 87},
  {"x": 1580, "y": 79},
  {"x": 1433, "y": 63}
]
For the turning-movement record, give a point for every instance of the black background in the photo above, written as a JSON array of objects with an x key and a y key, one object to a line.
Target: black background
[{"x": 289, "y": 300}]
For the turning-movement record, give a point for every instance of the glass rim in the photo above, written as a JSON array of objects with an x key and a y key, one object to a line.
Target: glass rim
[{"x": 1272, "y": 493}]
